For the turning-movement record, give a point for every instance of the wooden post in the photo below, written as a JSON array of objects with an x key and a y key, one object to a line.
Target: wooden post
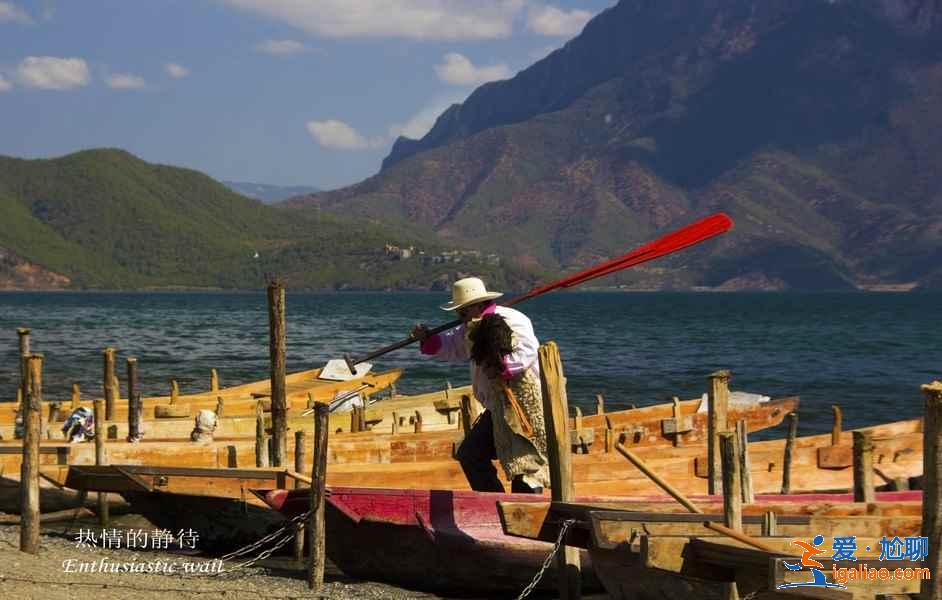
[
  {"x": 678, "y": 416},
  {"x": 863, "y": 467},
  {"x": 213, "y": 380},
  {"x": 789, "y": 449},
  {"x": 742, "y": 446},
  {"x": 556, "y": 415},
  {"x": 299, "y": 454},
  {"x": 174, "y": 391},
  {"x": 362, "y": 417},
  {"x": 931, "y": 589},
  {"x": 577, "y": 424},
  {"x": 76, "y": 397},
  {"x": 23, "y": 333},
  {"x": 418, "y": 422},
  {"x": 718, "y": 402},
  {"x": 29, "y": 469},
  {"x": 107, "y": 383},
  {"x": 392, "y": 390},
  {"x": 732, "y": 492},
  {"x": 316, "y": 526},
  {"x": 599, "y": 404},
  {"x": 836, "y": 428},
  {"x": 470, "y": 411},
  {"x": 769, "y": 524},
  {"x": 261, "y": 440},
  {"x": 609, "y": 436},
  {"x": 53, "y": 419},
  {"x": 220, "y": 406},
  {"x": 100, "y": 455},
  {"x": 277, "y": 346},
  {"x": 354, "y": 419},
  {"x": 135, "y": 403},
  {"x": 395, "y": 422}
]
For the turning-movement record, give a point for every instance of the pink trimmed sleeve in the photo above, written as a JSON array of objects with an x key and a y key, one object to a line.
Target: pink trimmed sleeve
[{"x": 431, "y": 345}]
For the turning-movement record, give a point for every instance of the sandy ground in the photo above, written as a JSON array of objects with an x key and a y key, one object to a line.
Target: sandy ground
[{"x": 47, "y": 575}]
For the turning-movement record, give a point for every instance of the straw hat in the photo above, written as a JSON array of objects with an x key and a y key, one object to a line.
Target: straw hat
[{"x": 468, "y": 291}]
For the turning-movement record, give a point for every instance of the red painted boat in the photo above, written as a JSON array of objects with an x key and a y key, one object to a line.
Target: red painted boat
[{"x": 437, "y": 541}]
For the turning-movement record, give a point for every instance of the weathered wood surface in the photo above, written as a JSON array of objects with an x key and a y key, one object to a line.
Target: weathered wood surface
[
  {"x": 895, "y": 454},
  {"x": 932, "y": 487},
  {"x": 29, "y": 473},
  {"x": 241, "y": 399}
]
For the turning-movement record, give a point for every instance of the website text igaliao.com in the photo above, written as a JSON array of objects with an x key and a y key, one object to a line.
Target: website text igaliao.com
[{"x": 864, "y": 572}]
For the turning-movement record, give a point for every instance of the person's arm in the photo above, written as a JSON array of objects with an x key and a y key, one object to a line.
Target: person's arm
[{"x": 448, "y": 345}]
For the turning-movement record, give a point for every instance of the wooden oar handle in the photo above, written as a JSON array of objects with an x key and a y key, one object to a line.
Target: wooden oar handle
[{"x": 353, "y": 362}]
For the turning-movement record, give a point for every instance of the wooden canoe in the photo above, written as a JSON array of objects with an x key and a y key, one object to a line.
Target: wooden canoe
[
  {"x": 401, "y": 461},
  {"x": 641, "y": 552},
  {"x": 438, "y": 541},
  {"x": 238, "y": 400}
]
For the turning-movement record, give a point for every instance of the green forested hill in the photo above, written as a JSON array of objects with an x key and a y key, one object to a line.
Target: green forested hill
[{"x": 106, "y": 219}]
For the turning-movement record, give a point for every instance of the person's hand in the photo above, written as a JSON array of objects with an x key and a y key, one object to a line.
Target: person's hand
[{"x": 419, "y": 332}]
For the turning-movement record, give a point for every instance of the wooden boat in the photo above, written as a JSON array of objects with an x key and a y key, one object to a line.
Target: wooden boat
[
  {"x": 238, "y": 400},
  {"x": 642, "y": 551},
  {"x": 403, "y": 461},
  {"x": 438, "y": 541}
]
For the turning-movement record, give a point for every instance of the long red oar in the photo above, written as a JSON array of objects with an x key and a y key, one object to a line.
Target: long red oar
[{"x": 684, "y": 237}]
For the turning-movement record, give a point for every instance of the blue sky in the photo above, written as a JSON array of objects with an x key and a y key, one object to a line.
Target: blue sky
[{"x": 287, "y": 92}]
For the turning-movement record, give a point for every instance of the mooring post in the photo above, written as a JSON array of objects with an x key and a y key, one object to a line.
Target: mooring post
[
  {"x": 174, "y": 391},
  {"x": 29, "y": 469},
  {"x": 76, "y": 397},
  {"x": 23, "y": 333},
  {"x": 556, "y": 414},
  {"x": 742, "y": 447},
  {"x": 100, "y": 456},
  {"x": 134, "y": 402},
  {"x": 418, "y": 422},
  {"x": 277, "y": 346},
  {"x": 599, "y": 404},
  {"x": 261, "y": 440},
  {"x": 863, "y": 467},
  {"x": 395, "y": 422},
  {"x": 53, "y": 419},
  {"x": 931, "y": 588},
  {"x": 789, "y": 449},
  {"x": 107, "y": 384},
  {"x": 732, "y": 491},
  {"x": 315, "y": 524},
  {"x": 836, "y": 428},
  {"x": 213, "y": 380},
  {"x": 718, "y": 402},
  {"x": 299, "y": 453},
  {"x": 220, "y": 406}
]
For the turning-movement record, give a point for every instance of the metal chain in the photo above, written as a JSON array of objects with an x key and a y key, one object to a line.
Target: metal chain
[
  {"x": 549, "y": 559},
  {"x": 286, "y": 533}
]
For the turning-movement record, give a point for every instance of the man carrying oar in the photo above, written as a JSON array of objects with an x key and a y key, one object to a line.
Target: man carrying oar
[{"x": 505, "y": 375}]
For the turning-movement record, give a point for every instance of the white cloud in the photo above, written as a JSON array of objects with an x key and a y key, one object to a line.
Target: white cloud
[
  {"x": 549, "y": 20},
  {"x": 125, "y": 81},
  {"x": 420, "y": 123},
  {"x": 52, "y": 73},
  {"x": 340, "y": 136},
  {"x": 282, "y": 47},
  {"x": 5, "y": 86},
  {"x": 458, "y": 70},
  {"x": 11, "y": 13},
  {"x": 176, "y": 71},
  {"x": 412, "y": 19}
]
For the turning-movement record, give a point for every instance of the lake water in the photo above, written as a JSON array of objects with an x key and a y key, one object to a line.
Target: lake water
[{"x": 869, "y": 353}]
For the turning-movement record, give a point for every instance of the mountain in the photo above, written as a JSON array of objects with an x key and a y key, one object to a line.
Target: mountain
[
  {"x": 106, "y": 219},
  {"x": 269, "y": 194},
  {"x": 811, "y": 122}
]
